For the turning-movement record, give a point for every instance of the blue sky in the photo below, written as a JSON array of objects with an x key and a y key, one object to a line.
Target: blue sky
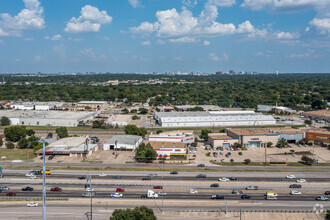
[{"x": 164, "y": 35}]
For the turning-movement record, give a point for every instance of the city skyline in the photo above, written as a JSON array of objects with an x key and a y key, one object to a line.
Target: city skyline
[{"x": 164, "y": 36}]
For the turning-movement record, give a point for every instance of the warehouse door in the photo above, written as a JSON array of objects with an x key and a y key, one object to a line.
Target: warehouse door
[{"x": 226, "y": 145}]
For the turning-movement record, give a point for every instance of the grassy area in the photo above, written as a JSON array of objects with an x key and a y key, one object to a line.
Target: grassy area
[
  {"x": 239, "y": 163},
  {"x": 17, "y": 154}
]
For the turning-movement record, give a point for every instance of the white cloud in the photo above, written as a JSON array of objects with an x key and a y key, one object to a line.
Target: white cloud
[
  {"x": 103, "y": 56},
  {"x": 309, "y": 53},
  {"x": 322, "y": 25},
  {"x": 57, "y": 37},
  {"x": 134, "y": 3},
  {"x": 3, "y": 33},
  {"x": 31, "y": 17},
  {"x": 160, "y": 42},
  {"x": 225, "y": 56},
  {"x": 37, "y": 58},
  {"x": 29, "y": 39},
  {"x": 146, "y": 43},
  {"x": 206, "y": 43},
  {"x": 179, "y": 58},
  {"x": 88, "y": 52},
  {"x": 214, "y": 57},
  {"x": 90, "y": 20},
  {"x": 184, "y": 27},
  {"x": 286, "y": 36},
  {"x": 258, "y": 54}
]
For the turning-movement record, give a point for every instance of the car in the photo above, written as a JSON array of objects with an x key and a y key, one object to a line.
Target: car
[
  {"x": 157, "y": 187},
  {"x": 322, "y": 198},
  {"x": 56, "y": 189},
  {"x": 88, "y": 189},
  {"x": 214, "y": 185},
  {"x": 232, "y": 160},
  {"x": 81, "y": 178},
  {"x": 146, "y": 178},
  {"x": 162, "y": 193},
  {"x": 34, "y": 177},
  {"x": 152, "y": 175},
  {"x": 192, "y": 191},
  {"x": 11, "y": 194},
  {"x": 88, "y": 194},
  {"x": 327, "y": 193},
  {"x": 301, "y": 181},
  {"x": 116, "y": 177},
  {"x": 94, "y": 139},
  {"x": 120, "y": 190},
  {"x": 224, "y": 179},
  {"x": 174, "y": 173},
  {"x": 294, "y": 192},
  {"x": 251, "y": 188},
  {"x": 32, "y": 204},
  {"x": 116, "y": 195},
  {"x": 102, "y": 174},
  {"x": 201, "y": 176},
  {"x": 201, "y": 165},
  {"x": 293, "y": 155},
  {"x": 222, "y": 160},
  {"x": 50, "y": 157},
  {"x": 232, "y": 178},
  {"x": 217, "y": 197},
  {"x": 30, "y": 174},
  {"x": 4, "y": 188},
  {"x": 229, "y": 153},
  {"x": 245, "y": 196},
  {"x": 240, "y": 153},
  {"x": 295, "y": 186},
  {"x": 27, "y": 188},
  {"x": 290, "y": 177},
  {"x": 236, "y": 191},
  {"x": 316, "y": 160}
]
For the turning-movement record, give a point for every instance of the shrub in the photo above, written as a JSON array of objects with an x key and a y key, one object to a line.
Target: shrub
[
  {"x": 247, "y": 161},
  {"x": 10, "y": 145},
  {"x": 208, "y": 154},
  {"x": 135, "y": 117}
]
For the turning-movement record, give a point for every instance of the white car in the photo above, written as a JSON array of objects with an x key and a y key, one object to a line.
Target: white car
[
  {"x": 102, "y": 174},
  {"x": 224, "y": 179},
  {"x": 301, "y": 181},
  {"x": 162, "y": 193},
  {"x": 291, "y": 177},
  {"x": 4, "y": 188},
  {"x": 33, "y": 177},
  {"x": 116, "y": 195},
  {"x": 193, "y": 191},
  {"x": 88, "y": 189},
  {"x": 294, "y": 192},
  {"x": 32, "y": 204},
  {"x": 29, "y": 174}
]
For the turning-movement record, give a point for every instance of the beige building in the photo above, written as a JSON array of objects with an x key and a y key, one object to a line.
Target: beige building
[{"x": 221, "y": 140}]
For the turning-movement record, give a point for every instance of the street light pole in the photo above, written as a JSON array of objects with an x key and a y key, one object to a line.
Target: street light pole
[{"x": 44, "y": 217}]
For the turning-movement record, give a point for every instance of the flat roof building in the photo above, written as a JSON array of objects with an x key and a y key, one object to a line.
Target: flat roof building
[
  {"x": 217, "y": 140},
  {"x": 318, "y": 115},
  {"x": 183, "y": 108},
  {"x": 123, "y": 142},
  {"x": 212, "y": 119},
  {"x": 318, "y": 137},
  {"x": 174, "y": 136},
  {"x": 169, "y": 149}
]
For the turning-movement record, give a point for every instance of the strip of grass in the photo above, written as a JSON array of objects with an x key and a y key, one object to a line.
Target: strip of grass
[
  {"x": 239, "y": 163},
  {"x": 17, "y": 154}
]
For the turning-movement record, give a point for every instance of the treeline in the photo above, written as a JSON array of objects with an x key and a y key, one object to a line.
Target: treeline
[{"x": 244, "y": 91}]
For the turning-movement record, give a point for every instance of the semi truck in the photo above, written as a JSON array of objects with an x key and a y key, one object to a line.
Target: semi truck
[{"x": 150, "y": 195}]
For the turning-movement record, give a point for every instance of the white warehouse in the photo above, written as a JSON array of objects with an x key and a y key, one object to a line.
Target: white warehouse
[{"x": 212, "y": 119}]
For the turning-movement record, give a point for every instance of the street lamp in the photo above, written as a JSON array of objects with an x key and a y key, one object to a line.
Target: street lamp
[{"x": 43, "y": 181}]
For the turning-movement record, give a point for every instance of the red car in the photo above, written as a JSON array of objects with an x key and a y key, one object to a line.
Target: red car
[
  {"x": 56, "y": 189},
  {"x": 158, "y": 187},
  {"x": 11, "y": 194},
  {"x": 120, "y": 190}
]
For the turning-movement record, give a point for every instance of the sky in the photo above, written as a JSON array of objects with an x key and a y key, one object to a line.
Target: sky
[{"x": 141, "y": 36}]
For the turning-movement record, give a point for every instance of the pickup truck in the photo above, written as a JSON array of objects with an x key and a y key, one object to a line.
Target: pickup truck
[
  {"x": 217, "y": 197},
  {"x": 251, "y": 188},
  {"x": 116, "y": 195}
]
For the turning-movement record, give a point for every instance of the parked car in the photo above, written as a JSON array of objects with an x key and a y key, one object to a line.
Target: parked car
[
  {"x": 214, "y": 185},
  {"x": 81, "y": 178},
  {"x": 116, "y": 195},
  {"x": 32, "y": 204},
  {"x": 157, "y": 187},
  {"x": 251, "y": 188},
  {"x": 327, "y": 193},
  {"x": 193, "y": 191},
  {"x": 322, "y": 198},
  {"x": 222, "y": 160},
  {"x": 56, "y": 189},
  {"x": 295, "y": 186},
  {"x": 301, "y": 181},
  {"x": 236, "y": 191},
  {"x": 295, "y": 192},
  {"x": 245, "y": 196},
  {"x": 240, "y": 153},
  {"x": 201, "y": 176},
  {"x": 290, "y": 177},
  {"x": 232, "y": 160},
  {"x": 224, "y": 179},
  {"x": 120, "y": 190},
  {"x": 232, "y": 178},
  {"x": 116, "y": 177},
  {"x": 174, "y": 173},
  {"x": 27, "y": 188},
  {"x": 217, "y": 197},
  {"x": 146, "y": 178},
  {"x": 11, "y": 194},
  {"x": 201, "y": 165},
  {"x": 50, "y": 157}
]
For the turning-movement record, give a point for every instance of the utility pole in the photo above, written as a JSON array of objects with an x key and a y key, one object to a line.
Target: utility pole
[
  {"x": 44, "y": 217},
  {"x": 265, "y": 153},
  {"x": 91, "y": 195},
  {"x": 163, "y": 185}
]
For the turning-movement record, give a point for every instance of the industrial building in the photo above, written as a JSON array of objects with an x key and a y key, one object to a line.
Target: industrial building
[
  {"x": 318, "y": 115},
  {"x": 275, "y": 109},
  {"x": 92, "y": 104},
  {"x": 119, "y": 120},
  {"x": 318, "y": 137},
  {"x": 182, "y": 136},
  {"x": 46, "y": 118},
  {"x": 164, "y": 109},
  {"x": 76, "y": 147},
  {"x": 254, "y": 137},
  {"x": 184, "y": 108},
  {"x": 221, "y": 140},
  {"x": 212, "y": 119},
  {"x": 39, "y": 106},
  {"x": 292, "y": 135},
  {"x": 123, "y": 142},
  {"x": 169, "y": 149}
]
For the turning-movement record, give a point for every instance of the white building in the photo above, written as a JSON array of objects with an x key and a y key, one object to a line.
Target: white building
[
  {"x": 39, "y": 106},
  {"x": 123, "y": 142},
  {"x": 169, "y": 149},
  {"x": 213, "y": 119},
  {"x": 174, "y": 136}
]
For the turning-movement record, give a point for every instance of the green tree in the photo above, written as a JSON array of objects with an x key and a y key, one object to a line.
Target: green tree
[
  {"x": 143, "y": 111},
  {"x": 39, "y": 146},
  {"x": 204, "y": 134},
  {"x": 4, "y": 121},
  {"x": 282, "y": 142},
  {"x": 135, "y": 117},
  {"x": 134, "y": 130},
  {"x": 15, "y": 133},
  {"x": 23, "y": 143},
  {"x": 30, "y": 132},
  {"x": 98, "y": 124},
  {"x": 10, "y": 145},
  {"x": 269, "y": 144},
  {"x": 62, "y": 132},
  {"x": 134, "y": 111},
  {"x": 145, "y": 152},
  {"x": 125, "y": 111},
  {"x": 159, "y": 131},
  {"x": 327, "y": 215},
  {"x": 1, "y": 141},
  {"x": 138, "y": 213},
  {"x": 307, "y": 160},
  {"x": 308, "y": 122},
  {"x": 195, "y": 109}
]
